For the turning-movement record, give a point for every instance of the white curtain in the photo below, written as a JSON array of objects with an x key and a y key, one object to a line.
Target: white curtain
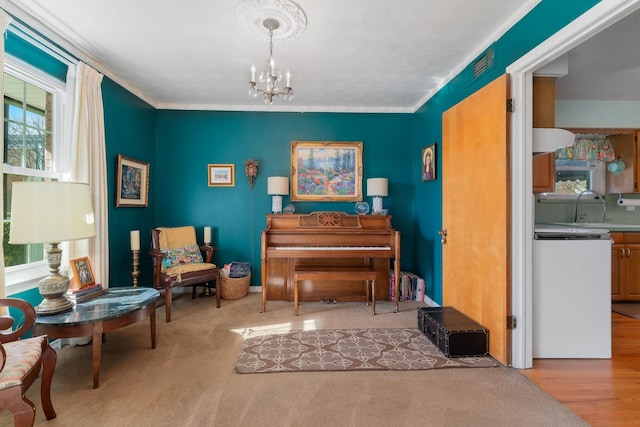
[
  {"x": 4, "y": 23},
  {"x": 88, "y": 163}
]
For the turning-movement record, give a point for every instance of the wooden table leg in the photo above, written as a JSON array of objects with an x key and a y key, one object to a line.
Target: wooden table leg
[
  {"x": 295, "y": 297},
  {"x": 96, "y": 346},
  {"x": 152, "y": 324}
]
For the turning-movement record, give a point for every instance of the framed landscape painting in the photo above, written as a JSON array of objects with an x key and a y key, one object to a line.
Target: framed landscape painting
[
  {"x": 326, "y": 171},
  {"x": 132, "y": 183}
]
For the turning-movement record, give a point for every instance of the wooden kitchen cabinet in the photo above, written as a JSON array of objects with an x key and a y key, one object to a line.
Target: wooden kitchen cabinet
[
  {"x": 544, "y": 171},
  {"x": 626, "y": 148},
  {"x": 625, "y": 267}
]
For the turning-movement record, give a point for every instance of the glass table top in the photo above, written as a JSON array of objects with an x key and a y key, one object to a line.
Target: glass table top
[{"x": 116, "y": 303}]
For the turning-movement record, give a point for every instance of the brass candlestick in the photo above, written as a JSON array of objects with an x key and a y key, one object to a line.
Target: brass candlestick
[{"x": 135, "y": 273}]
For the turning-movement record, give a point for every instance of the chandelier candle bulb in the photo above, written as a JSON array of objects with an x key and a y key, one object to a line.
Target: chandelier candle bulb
[
  {"x": 134, "y": 236},
  {"x": 288, "y": 79},
  {"x": 253, "y": 73}
]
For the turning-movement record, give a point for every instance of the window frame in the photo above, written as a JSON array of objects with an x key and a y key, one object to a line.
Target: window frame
[{"x": 23, "y": 277}]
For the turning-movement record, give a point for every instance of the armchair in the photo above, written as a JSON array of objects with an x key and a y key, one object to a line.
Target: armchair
[
  {"x": 177, "y": 260},
  {"x": 20, "y": 364}
]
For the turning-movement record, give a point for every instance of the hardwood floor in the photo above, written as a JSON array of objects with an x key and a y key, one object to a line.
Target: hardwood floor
[{"x": 602, "y": 392}]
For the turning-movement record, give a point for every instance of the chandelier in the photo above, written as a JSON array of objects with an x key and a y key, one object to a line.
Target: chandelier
[{"x": 270, "y": 77}]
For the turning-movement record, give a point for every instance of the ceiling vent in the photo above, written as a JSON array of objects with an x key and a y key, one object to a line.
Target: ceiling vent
[{"x": 483, "y": 63}]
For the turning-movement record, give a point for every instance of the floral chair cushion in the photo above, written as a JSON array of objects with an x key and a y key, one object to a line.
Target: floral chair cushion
[{"x": 184, "y": 255}]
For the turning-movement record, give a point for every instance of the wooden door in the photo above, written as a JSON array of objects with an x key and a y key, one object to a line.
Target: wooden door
[{"x": 476, "y": 212}]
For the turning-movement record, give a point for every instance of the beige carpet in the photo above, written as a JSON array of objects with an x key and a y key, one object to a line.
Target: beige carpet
[
  {"x": 399, "y": 349},
  {"x": 188, "y": 380}
]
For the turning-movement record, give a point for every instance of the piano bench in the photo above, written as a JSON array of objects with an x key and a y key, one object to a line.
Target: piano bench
[{"x": 342, "y": 273}]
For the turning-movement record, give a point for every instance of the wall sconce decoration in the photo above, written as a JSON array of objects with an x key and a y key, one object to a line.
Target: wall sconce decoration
[
  {"x": 277, "y": 186},
  {"x": 251, "y": 170}
]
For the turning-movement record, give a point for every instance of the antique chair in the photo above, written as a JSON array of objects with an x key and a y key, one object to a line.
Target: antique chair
[
  {"x": 20, "y": 363},
  {"x": 179, "y": 261}
]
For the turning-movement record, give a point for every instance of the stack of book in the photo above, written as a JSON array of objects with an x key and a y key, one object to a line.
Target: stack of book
[{"x": 76, "y": 295}]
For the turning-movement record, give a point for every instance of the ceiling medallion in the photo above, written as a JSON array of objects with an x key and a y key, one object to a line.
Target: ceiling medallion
[{"x": 289, "y": 15}]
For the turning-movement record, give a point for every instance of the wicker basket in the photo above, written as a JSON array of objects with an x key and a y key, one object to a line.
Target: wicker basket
[{"x": 234, "y": 288}]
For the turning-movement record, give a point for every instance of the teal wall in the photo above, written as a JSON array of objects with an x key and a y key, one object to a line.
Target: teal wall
[
  {"x": 189, "y": 140},
  {"x": 130, "y": 130},
  {"x": 179, "y": 145},
  {"x": 544, "y": 20}
]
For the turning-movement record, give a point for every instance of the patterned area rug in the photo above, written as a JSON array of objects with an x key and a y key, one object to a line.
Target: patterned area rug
[{"x": 346, "y": 350}]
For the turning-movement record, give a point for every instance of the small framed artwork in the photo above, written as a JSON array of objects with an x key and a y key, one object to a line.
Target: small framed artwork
[
  {"x": 132, "y": 183},
  {"x": 429, "y": 163},
  {"x": 326, "y": 171},
  {"x": 82, "y": 272},
  {"x": 222, "y": 175}
]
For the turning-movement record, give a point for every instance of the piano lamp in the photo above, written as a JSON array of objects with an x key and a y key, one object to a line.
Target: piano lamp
[
  {"x": 378, "y": 188},
  {"x": 51, "y": 212},
  {"x": 277, "y": 186}
]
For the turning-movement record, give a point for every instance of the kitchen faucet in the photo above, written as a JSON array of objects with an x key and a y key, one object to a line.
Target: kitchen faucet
[{"x": 597, "y": 196}]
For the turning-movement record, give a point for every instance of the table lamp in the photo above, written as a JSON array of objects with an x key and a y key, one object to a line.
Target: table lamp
[
  {"x": 277, "y": 186},
  {"x": 378, "y": 188},
  {"x": 51, "y": 212}
]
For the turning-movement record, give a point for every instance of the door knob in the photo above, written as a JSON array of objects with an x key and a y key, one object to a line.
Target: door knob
[{"x": 443, "y": 236}]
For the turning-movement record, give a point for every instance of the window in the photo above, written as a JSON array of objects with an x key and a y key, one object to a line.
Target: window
[
  {"x": 576, "y": 176},
  {"x": 33, "y": 106}
]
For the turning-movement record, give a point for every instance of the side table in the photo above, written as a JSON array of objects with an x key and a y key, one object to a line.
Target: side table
[{"x": 118, "y": 308}]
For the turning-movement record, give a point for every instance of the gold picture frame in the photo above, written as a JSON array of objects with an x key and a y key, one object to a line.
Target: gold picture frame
[
  {"x": 326, "y": 171},
  {"x": 132, "y": 183},
  {"x": 82, "y": 272},
  {"x": 222, "y": 175}
]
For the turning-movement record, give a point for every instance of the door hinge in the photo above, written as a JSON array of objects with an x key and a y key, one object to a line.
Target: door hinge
[
  {"x": 512, "y": 322},
  {"x": 511, "y": 105}
]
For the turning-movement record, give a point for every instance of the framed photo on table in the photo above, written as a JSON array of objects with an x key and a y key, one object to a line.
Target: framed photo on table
[
  {"x": 82, "y": 272},
  {"x": 132, "y": 183},
  {"x": 326, "y": 171}
]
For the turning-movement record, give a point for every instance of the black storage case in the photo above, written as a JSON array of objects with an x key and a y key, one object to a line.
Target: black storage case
[{"x": 455, "y": 334}]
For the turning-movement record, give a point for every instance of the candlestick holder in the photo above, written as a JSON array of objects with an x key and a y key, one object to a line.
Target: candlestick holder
[{"x": 135, "y": 273}]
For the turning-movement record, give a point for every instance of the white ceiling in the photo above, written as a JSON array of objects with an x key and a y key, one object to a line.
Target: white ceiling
[{"x": 354, "y": 55}]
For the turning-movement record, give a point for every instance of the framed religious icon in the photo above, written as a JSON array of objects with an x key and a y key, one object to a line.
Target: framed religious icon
[
  {"x": 326, "y": 171},
  {"x": 429, "y": 163}
]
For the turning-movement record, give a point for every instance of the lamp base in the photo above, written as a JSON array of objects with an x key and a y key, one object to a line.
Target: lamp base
[
  {"x": 377, "y": 205},
  {"x": 276, "y": 204},
  {"x": 52, "y": 288}
]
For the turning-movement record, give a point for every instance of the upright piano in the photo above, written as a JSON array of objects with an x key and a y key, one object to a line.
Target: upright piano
[{"x": 328, "y": 239}]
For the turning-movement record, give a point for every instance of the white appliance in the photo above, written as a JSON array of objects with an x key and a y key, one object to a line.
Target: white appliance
[{"x": 571, "y": 293}]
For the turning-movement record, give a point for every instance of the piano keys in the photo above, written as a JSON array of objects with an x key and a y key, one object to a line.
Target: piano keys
[{"x": 329, "y": 239}]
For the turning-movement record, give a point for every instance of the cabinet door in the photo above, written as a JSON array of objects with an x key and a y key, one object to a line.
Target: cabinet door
[
  {"x": 618, "y": 265},
  {"x": 632, "y": 285},
  {"x": 627, "y": 181},
  {"x": 544, "y": 170}
]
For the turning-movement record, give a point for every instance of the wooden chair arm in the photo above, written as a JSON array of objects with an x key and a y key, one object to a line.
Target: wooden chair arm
[
  {"x": 207, "y": 252},
  {"x": 22, "y": 326}
]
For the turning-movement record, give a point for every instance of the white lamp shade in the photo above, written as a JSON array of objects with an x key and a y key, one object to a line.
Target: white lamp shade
[
  {"x": 377, "y": 187},
  {"x": 278, "y": 185},
  {"x": 50, "y": 212}
]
